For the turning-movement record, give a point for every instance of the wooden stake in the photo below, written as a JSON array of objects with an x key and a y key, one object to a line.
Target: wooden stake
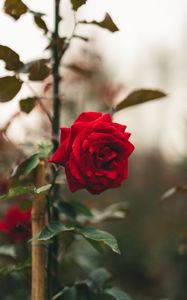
[{"x": 38, "y": 250}]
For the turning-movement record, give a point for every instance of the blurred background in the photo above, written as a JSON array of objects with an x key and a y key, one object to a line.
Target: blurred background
[{"x": 148, "y": 51}]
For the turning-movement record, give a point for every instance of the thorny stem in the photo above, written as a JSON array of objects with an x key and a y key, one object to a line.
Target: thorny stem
[
  {"x": 56, "y": 77},
  {"x": 55, "y": 174},
  {"x": 52, "y": 265}
]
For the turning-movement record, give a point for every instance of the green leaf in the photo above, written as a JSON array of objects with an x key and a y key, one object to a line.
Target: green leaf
[
  {"x": 16, "y": 268},
  {"x": 27, "y": 166},
  {"x": 99, "y": 277},
  {"x": 40, "y": 23},
  {"x": 38, "y": 70},
  {"x": 9, "y": 87},
  {"x": 107, "y": 23},
  {"x": 103, "y": 237},
  {"x": 15, "y": 8},
  {"x": 139, "y": 97},
  {"x": 73, "y": 209},
  {"x": 66, "y": 209},
  {"x": 52, "y": 230},
  {"x": 8, "y": 250},
  {"x": 45, "y": 148},
  {"x": 177, "y": 190},
  {"x": 103, "y": 296},
  {"x": 115, "y": 211},
  {"x": 84, "y": 292},
  {"x": 21, "y": 190},
  {"x": 42, "y": 189},
  {"x": 27, "y": 104},
  {"x": 77, "y": 3},
  {"x": 68, "y": 293},
  {"x": 17, "y": 191},
  {"x": 117, "y": 293},
  {"x": 98, "y": 246},
  {"x": 81, "y": 209},
  {"x": 11, "y": 58}
]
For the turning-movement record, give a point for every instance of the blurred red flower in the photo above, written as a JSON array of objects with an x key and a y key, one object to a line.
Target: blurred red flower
[{"x": 16, "y": 224}]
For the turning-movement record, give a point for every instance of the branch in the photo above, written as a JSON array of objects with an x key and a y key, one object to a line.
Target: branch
[{"x": 39, "y": 100}]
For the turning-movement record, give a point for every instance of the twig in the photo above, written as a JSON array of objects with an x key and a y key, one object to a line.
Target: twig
[
  {"x": 74, "y": 27},
  {"x": 39, "y": 100},
  {"x": 6, "y": 126}
]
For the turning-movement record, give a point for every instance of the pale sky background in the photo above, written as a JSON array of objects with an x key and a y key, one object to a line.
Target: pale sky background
[{"x": 148, "y": 51}]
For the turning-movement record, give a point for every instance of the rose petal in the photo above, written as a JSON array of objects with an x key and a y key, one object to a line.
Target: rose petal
[
  {"x": 64, "y": 134},
  {"x": 88, "y": 117},
  {"x": 130, "y": 148},
  {"x": 125, "y": 169},
  {"x": 127, "y": 135},
  {"x": 59, "y": 157},
  {"x": 75, "y": 169},
  {"x": 119, "y": 126},
  {"x": 105, "y": 118},
  {"x": 73, "y": 184},
  {"x": 76, "y": 130}
]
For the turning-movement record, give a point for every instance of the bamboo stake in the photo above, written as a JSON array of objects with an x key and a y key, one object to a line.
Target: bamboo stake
[{"x": 38, "y": 250}]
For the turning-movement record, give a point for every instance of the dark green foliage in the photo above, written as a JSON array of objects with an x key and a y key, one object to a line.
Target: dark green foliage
[
  {"x": 20, "y": 190},
  {"x": 66, "y": 209},
  {"x": 77, "y": 3},
  {"x": 15, "y": 8},
  {"x": 139, "y": 97},
  {"x": 95, "y": 287},
  {"x": 11, "y": 58},
  {"x": 40, "y": 23},
  {"x": 107, "y": 23},
  {"x": 98, "y": 237},
  {"x": 98, "y": 278},
  {"x": 27, "y": 104},
  {"x": 81, "y": 209},
  {"x": 15, "y": 268},
  {"x": 117, "y": 294},
  {"x": 9, "y": 87},
  {"x": 27, "y": 166},
  {"x": 73, "y": 210},
  {"x": 51, "y": 230},
  {"x": 38, "y": 70}
]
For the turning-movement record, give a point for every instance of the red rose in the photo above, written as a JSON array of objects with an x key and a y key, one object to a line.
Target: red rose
[
  {"x": 16, "y": 224},
  {"x": 94, "y": 152}
]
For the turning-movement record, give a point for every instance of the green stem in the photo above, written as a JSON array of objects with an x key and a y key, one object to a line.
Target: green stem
[
  {"x": 52, "y": 265},
  {"x": 56, "y": 78}
]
